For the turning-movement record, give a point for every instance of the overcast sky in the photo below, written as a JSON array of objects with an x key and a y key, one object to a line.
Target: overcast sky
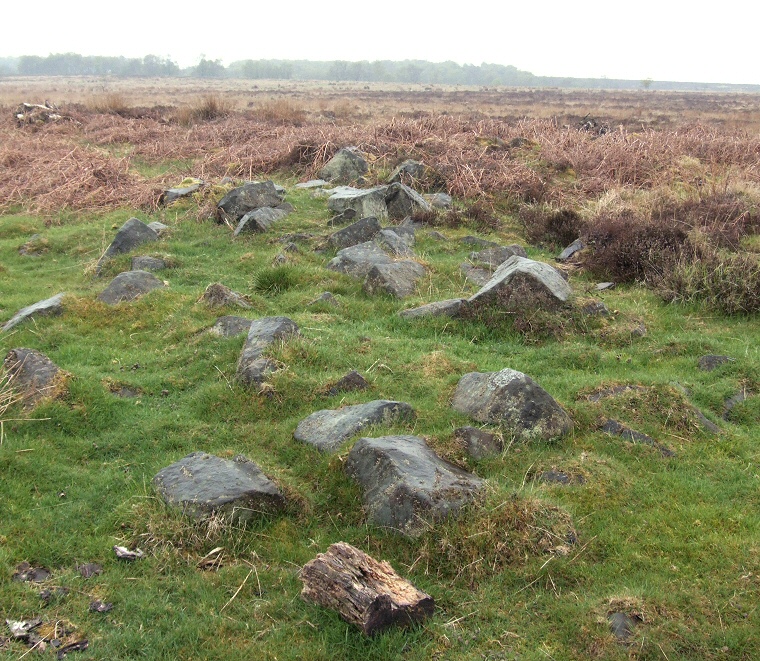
[{"x": 665, "y": 40}]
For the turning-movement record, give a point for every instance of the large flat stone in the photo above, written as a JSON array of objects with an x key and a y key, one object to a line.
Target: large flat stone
[
  {"x": 359, "y": 232},
  {"x": 33, "y": 375},
  {"x": 328, "y": 429},
  {"x": 50, "y": 306},
  {"x": 365, "y": 202},
  {"x": 398, "y": 279},
  {"x": 129, "y": 286},
  {"x": 358, "y": 260},
  {"x": 449, "y": 308}
]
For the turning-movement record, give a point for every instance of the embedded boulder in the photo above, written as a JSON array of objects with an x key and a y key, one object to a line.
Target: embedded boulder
[
  {"x": 514, "y": 401},
  {"x": 403, "y": 201},
  {"x": 260, "y": 220},
  {"x": 229, "y": 326},
  {"x": 174, "y": 194},
  {"x": 129, "y": 286},
  {"x": 132, "y": 234},
  {"x": 146, "y": 263},
  {"x": 248, "y": 197},
  {"x": 406, "y": 485},
  {"x": 408, "y": 172},
  {"x": 398, "y": 279},
  {"x": 33, "y": 375},
  {"x": 328, "y": 429},
  {"x": 218, "y": 295},
  {"x": 449, "y": 308},
  {"x": 364, "y": 202},
  {"x": 358, "y": 260},
  {"x": 359, "y": 232},
  {"x": 398, "y": 241},
  {"x": 202, "y": 485},
  {"x": 252, "y": 366},
  {"x": 347, "y": 166},
  {"x": 477, "y": 442},
  {"x": 48, "y": 307}
]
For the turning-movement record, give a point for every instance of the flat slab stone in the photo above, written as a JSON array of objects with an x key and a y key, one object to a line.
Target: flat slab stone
[
  {"x": 407, "y": 485},
  {"x": 229, "y": 326},
  {"x": 567, "y": 253},
  {"x": 202, "y": 485},
  {"x": 359, "y": 232},
  {"x": 129, "y": 286},
  {"x": 32, "y": 374},
  {"x": 495, "y": 256},
  {"x": 174, "y": 194},
  {"x": 398, "y": 279},
  {"x": 48, "y": 307},
  {"x": 710, "y": 362},
  {"x": 448, "y": 308},
  {"x": 328, "y": 429},
  {"x": 312, "y": 183},
  {"x": 252, "y": 366},
  {"x": 132, "y": 234},
  {"x": 145, "y": 263},
  {"x": 358, "y": 260},
  {"x": 618, "y": 429},
  {"x": 365, "y": 202},
  {"x": 514, "y": 401}
]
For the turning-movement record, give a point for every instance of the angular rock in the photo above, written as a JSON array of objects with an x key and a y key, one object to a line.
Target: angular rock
[
  {"x": 514, "y": 401},
  {"x": 710, "y": 362},
  {"x": 312, "y": 183},
  {"x": 437, "y": 236},
  {"x": 33, "y": 375},
  {"x": 174, "y": 194},
  {"x": 567, "y": 253},
  {"x": 603, "y": 286},
  {"x": 239, "y": 201},
  {"x": 229, "y": 326},
  {"x": 359, "y": 232},
  {"x": 218, "y": 295},
  {"x": 408, "y": 172},
  {"x": 595, "y": 308},
  {"x": 325, "y": 298},
  {"x": 403, "y": 201},
  {"x": 495, "y": 256},
  {"x": 397, "y": 243},
  {"x": 145, "y": 263},
  {"x": 345, "y": 216},
  {"x": 731, "y": 402},
  {"x": 158, "y": 228},
  {"x": 407, "y": 485},
  {"x": 49, "y": 307},
  {"x": 449, "y": 308},
  {"x": 618, "y": 429},
  {"x": 132, "y": 234},
  {"x": 440, "y": 201},
  {"x": 541, "y": 280},
  {"x": 358, "y": 260},
  {"x": 202, "y": 485},
  {"x": 329, "y": 428},
  {"x": 476, "y": 275},
  {"x": 398, "y": 279},
  {"x": 252, "y": 366},
  {"x": 478, "y": 443},
  {"x": 348, "y": 383},
  {"x": 347, "y": 166},
  {"x": 364, "y": 202},
  {"x": 259, "y": 220},
  {"x": 129, "y": 286}
]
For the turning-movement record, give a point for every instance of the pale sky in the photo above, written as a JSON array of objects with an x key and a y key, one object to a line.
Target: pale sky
[{"x": 665, "y": 40}]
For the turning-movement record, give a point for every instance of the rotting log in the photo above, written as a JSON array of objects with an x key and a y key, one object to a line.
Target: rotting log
[{"x": 365, "y": 592}]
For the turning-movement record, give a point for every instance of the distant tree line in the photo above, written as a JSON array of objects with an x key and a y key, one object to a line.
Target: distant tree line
[{"x": 73, "y": 64}]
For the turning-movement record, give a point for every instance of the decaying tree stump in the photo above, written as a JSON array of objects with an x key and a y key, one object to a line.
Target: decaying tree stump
[{"x": 365, "y": 592}]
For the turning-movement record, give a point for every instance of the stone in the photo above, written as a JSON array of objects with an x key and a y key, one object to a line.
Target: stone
[
  {"x": 49, "y": 307},
  {"x": 560, "y": 477},
  {"x": 158, "y": 228},
  {"x": 437, "y": 236},
  {"x": 33, "y": 375},
  {"x": 604, "y": 286},
  {"x": 397, "y": 243},
  {"x": 349, "y": 383},
  {"x": 218, "y": 295},
  {"x": 259, "y": 220},
  {"x": 359, "y": 232},
  {"x": 710, "y": 362},
  {"x": 442, "y": 201},
  {"x": 358, "y": 260},
  {"x": 448, "y": 308},
  {"x": 248, "y": 197},
  {"x": 145, "y": 263},
  {"x": 252, "y": 366},
  {"x": 406, "y": 485},
  {"x": 403, "y": 201},
  {"x": 616, "y": 428},
  {"x": 495, "y": 256},
  {"x": 595, "y": 308},
  {"x": 478, "y": 242},
  {"x": 639, "y": 330},
  {"x": 514, "y": 401},
  {"x": 36, "y": 246},
  {"x": 364, "y": 202},
  {"x": 347, "y": 166},
  {"x": 325, "y": 298},
  {"x": 345, "y": 216},
  {"x": 476, "y": 275},
  {"x": 737, "y": 398},
  {"x": 230, "y": 326},
  {"x": 615, "y": 391},
  {"x": 174, "y": 194},
  {"x": 408, "y": 172},
  {"x": 622, "y": 625},
  {"x": 478, "y": 443},
  {"x": 542, "y": 281},
  {"x": 129, "y": 286},
  {"x": 575, "y": 247},
  {"x": 407, "y": 230},
  {"x": 203, "y": 485},
  {"x": 328, "y": 429},
  {"x": 398, "y": 279},
  {"x": 312, "y": 183},
  {"x": 132, "y": 234}
]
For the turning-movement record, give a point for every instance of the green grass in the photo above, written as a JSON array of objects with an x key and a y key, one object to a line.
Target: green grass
[{"x": 680, "y": 537}]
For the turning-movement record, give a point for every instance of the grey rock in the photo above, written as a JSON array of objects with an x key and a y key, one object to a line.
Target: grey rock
[
  {"x": 345, "y": 216},
  {"x": 145, "y": 263},
  {"x": 616, "y": 428},
  {"x": 129, "y": 286},
  {"x": 735, "y": 399},
  {"x": 252, "y": 366},
  {"x": 259, "y": 220},
  {"x": 132, "y": 234},
  {"x": 478, "y": 242},
  {"x": 126, "y": 392},
  {"x": 477, "y": 442},
  {"x": 449, "y": 308},
  {"x": 218, "y": 295},
  {"x": 514, "y": 401},
  {"x": 174, "y": 194},
  {"x": 358, "y": 260},
  {"x": 291, "y": 248},
  {"x": 347, "y": 166},
  {"x": 398, "y": 279},
  {"x": 349, "y": 383},
  {"x": 710, "y": 362},
  {"x": 407, "y": 230},
  {"x": 604, "y": 286},
  {"x": 437, "y": 236},
  {"x": 48, "y": 307},
  {"x": 359, "y": 232},
  {"x": 280, "y": 259},
  {"x": 229, "y": 326},
  {"x": 567, "y": 253},
  {"x": 36, "y": 246},
  {"x": 539, "y": 278},
  {"x": 403, "y": 201},
  {"x": 595, "y": 309},
  {"x": 396, "y": 243},
  {"x": 312, "y": 183},
  {"x": 622, "y": 626},
  {"x": 495, "y": 256},
  {"x": 202, "y": 485},
  {"x": 408, "y": 172},
  {"x": 406, "y": 485},
  {"x": 364, "y": 202},
  {"x": 615, "y": 391},
  {"x": 248, "y": 197},
  {"x": 326, "y": 298},
  {"x": 328, "y": 429},
  {"x": 560, "y": 477},
  {"x": 476, "y": 275},
  {"x": 32, "y": 374},
  {"x": 440, "y": 200},
  {"x": 639, "y": 330},
  {"x": 158, "y": 228}
]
